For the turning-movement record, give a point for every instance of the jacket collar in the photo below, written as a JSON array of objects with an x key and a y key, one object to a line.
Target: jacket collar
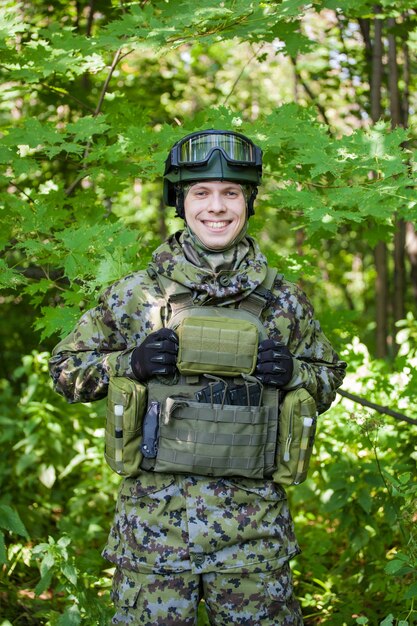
[{"x": 227, "y": 283}]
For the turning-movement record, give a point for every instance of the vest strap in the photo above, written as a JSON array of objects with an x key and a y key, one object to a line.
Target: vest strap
[
  {"x": 178, "y": 296},
  {"x": 258, "y": 300}
]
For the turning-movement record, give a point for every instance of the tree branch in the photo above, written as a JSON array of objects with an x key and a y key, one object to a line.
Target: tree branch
[
  {"x": 97, "y": 111},
  {"x": 22, "y": 191},
  {"x": 65, "y": 94},
  {"x": 107, "y": 81},
  {"x": 38, "y": 272},
  {"x": 310, "y": 93},
  {"x": 60, "y": 92},
  {"x": 376, "y": 407},
  {"x": 75, "y": 183},
  {"x": 241, "y": 74}
]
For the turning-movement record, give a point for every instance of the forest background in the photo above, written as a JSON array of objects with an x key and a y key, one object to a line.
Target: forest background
[{"x": 94, "y": 93}]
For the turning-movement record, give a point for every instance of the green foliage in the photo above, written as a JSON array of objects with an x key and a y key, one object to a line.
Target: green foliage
[
  {"x": 72, "y": 154},
  {"x": 367, "y": 7},
  {"x": 356, "y": 513},
  {"x": 57, "y": 564},
  {"x": 53, "y": 483},
  {"x": 407, "y": 336},
  {"x": 94, "y": 95},
  {"x": 355, "y": 516},
  {"x": 9, "y": 522}
]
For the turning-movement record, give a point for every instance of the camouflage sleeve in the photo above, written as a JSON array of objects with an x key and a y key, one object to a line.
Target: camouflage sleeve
[
  {"x": 317, "y": 366},
  {"x": 82, "y": 363}
]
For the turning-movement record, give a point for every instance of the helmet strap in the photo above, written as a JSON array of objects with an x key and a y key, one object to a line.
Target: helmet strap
[
  {"x": 179, "y": 201},
  {"x": 251, "y": 200}
]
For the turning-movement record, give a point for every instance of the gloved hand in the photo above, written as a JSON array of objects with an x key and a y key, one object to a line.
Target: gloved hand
[
  {"x": 275, "y": 363},
  {"x": 157, "y": 354}
]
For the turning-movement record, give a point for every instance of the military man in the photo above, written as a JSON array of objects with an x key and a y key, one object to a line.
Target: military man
[{"x": 225, "y": 535}]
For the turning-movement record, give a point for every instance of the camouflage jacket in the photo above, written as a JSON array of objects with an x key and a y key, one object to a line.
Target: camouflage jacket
[
  {"x": 101, "y": 344},
  {"x": 175, "y": 523}
]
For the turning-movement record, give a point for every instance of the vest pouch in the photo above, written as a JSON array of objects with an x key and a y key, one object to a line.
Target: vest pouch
[
  {"x": 215, "y": 440},
  {"x": 297, "y": 428},
  {"x": 217, "y": 345},
  {"x": 126, "y": 405}
]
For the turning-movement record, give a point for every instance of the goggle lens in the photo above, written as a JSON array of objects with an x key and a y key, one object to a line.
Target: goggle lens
[{"x": 197, "y": 149}]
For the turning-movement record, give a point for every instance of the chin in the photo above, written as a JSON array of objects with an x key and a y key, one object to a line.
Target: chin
[{"x": 216, "y": 244}]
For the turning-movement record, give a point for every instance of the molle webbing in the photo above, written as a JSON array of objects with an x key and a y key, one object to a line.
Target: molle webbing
[
  {"x": 212, "y": 413},
  {"x": 218, "y": 439},
  {"x": 214, "y": 439},
  {"x": 202, "y": 437},
  {"x": 180, "y": 301},
  {"x": 215, "y": 311},
  {"x": 208, "y": 465},
  {"x": 217, "y": 345}
]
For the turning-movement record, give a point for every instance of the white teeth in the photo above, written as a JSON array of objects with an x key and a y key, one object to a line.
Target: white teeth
[{"x": 216, "y": 224}]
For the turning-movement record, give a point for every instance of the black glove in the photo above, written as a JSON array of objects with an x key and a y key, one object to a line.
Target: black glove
[
  {"x": 275, "y": 363},
  {"x": 157, "y": 354}
]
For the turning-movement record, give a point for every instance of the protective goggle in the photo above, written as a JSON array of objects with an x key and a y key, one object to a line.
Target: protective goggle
[{"x": 197, "y": 148}]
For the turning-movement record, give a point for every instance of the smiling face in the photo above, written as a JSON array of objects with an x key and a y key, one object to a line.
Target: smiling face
[{"x": 215, "y": 212}]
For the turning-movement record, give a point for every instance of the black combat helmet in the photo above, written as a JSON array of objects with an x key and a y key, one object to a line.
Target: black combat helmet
[{"x": 211, "y": 155}]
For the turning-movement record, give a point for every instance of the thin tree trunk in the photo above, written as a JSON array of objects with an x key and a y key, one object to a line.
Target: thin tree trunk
[
  {"x": 381, "y": 286},
  {"x": 399, "y": 271},
  {"x": 90, "y": 18},
  {"x": 410, "y": 231},
  {"x": 377, "y": 69},
  {"x": 406, "y": 80},
  {"x": 296, "y": 85},
  {"x": 394, "y": 94},
  {"x": 411, "y": 247},
  {"x": 396, "y": 120},
  {"x": 380, "y": 253}
]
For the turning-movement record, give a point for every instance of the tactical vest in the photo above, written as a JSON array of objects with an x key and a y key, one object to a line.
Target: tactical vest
[{"x": 215, "y": 418}]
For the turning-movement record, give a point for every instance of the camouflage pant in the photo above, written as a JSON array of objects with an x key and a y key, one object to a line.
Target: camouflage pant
[{"x": 253, "y": 599}]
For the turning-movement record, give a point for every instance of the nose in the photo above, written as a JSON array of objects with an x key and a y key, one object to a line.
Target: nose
[{"x": 216, "y": 204}]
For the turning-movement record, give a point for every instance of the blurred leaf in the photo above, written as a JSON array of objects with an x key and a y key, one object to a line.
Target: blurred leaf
[
  {"x": 3, "y": 554},
  {"x": 10, "y": 520}
]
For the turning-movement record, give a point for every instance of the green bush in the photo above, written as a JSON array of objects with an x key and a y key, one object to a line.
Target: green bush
[
  {"x": 57, "y": 483},
  {"x": 355, "y": 515}
]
